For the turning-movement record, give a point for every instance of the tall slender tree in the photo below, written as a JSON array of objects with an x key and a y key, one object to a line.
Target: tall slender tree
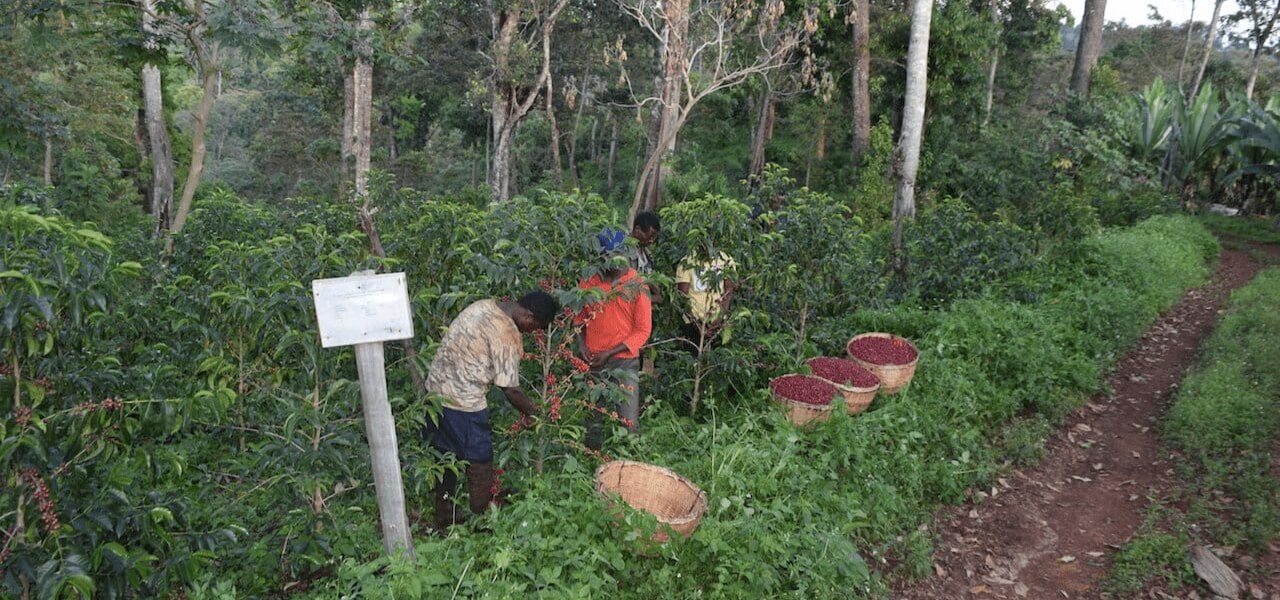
[
  {"x": 1186, "y": 43},
  {"x": 861, "y": 79},
  {"x": 1259, "y": 20},
  {"x": 700, "y": 49},
  {"x": 512, "y": 93},
  {"x": 204, "y": 54},
  {"x": 993, "y": 7},
  {"x": 1090, "y": 45},
  {"x": 158, "y": 146},
  {"x": 1209, "y": 39},
  {"x": 907, "y": 155}
]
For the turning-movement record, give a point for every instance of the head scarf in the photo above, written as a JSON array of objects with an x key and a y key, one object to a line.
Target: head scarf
[{"x": 611, "y": 240}]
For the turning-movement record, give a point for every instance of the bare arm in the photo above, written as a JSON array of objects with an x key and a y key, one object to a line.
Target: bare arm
[{"x": 520, "y": 401}]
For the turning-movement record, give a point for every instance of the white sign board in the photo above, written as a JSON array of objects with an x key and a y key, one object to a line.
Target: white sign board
[{"x": 361, "y": 309}]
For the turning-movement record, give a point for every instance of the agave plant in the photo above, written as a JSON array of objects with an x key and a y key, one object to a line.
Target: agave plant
[
  {"x": 1203, "y": 131},
  {"x": 1156, "y": 108}
]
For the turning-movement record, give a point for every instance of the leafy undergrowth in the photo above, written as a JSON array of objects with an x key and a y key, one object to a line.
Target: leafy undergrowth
[
  {"x": 1254, "y": 229},
  {"x": 1224, "y": 425},
  {"x": 827, "y": 512},
  {"x": 236, "y": 462}
]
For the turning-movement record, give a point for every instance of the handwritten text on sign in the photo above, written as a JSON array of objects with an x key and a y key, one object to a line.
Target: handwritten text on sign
[{"x": 361, "y": 309}]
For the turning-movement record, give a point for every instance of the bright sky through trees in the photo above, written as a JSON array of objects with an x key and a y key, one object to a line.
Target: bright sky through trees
[{"x": 1135, "y": 12}]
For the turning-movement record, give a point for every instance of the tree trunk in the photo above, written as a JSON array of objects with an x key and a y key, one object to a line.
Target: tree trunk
[
  {"x": 48, "y": 158},
  {"x": 613, "y": 152},
  {"x": 362, "y": 103},
  {"x": 390, "y": 119},
  {"x": 1186, "y": 43},
  {"x": 1090, "y": 45},
  {"x": 557, "y": 176},
  {"x": 763, "y": 133},
  {"x": 595, "y": 140},
  {"x": 157, "y": 130},
  {"x": 648, "y": 195},
  {"x": 573, "y": 136},
  {"x": 907, "y": 159},
  {"x": 995, "y": 63},
  {"x": 500, "y": 173},
  {"x": 508, "y": 108},
  {"x": 861, "y": 79},
  {"x": 206, "y": 64},
  {"x": 1261, "y": 36},
  {"x": 1253, "y": 73},
  {"x": 1208, "y": 50},
  {"x": 348, "y": 134}
]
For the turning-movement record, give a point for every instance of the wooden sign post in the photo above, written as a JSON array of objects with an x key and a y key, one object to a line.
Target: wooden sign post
[{"x": 364, "y": 310}]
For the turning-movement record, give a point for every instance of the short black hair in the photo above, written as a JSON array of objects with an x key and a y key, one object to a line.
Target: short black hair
[
  {"x": 542, "y": 305},
  {"x": 648, "y": 221}
]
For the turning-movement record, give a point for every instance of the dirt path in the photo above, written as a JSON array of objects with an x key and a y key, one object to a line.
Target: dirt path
[{"x": 1052, "y": 531}]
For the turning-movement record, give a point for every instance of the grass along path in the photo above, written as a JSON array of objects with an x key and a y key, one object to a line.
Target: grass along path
[
  {"x": 1053, "y": 531},
  {"x": 1224, "y": 430}
]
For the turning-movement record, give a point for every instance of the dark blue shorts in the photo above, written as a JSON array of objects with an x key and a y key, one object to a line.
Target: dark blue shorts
[{"x": 465, "y": 434}]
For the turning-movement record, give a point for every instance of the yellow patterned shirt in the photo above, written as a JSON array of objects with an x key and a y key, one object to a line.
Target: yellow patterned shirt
[{"x": 481, "y": 347}]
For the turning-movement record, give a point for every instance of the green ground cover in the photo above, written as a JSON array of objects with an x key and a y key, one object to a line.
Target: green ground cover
[{"x": 1223, "y": 428}]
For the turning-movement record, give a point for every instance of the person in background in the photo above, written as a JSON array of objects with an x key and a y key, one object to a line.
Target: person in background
[
  {"x": 707, "y": 281},
  {"x": 645, "y": 231},
  {"x": 481, "y": 347},
  {"x": 617, "y": 326}
]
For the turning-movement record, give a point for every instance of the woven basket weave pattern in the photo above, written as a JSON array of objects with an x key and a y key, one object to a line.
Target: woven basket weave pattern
[
  {"x": 892, "y": 377},
  {"x": 856, "y": 399},
  {"x": 801, "y": 413},
  {"x": 674, "y": 500}
]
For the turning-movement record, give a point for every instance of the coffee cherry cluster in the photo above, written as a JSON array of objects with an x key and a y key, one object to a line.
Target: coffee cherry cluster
[
  {"x": 22, "y": 415},
  {"x": 48, "y": 514},
  {"x": 109, "y": 404}
]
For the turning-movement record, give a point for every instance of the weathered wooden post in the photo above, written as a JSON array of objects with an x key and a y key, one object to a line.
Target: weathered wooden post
[{"x": 365, "y": 310}]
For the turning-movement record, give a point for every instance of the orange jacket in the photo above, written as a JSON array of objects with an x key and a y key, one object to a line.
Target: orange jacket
[{"x": 624, "y": 316}]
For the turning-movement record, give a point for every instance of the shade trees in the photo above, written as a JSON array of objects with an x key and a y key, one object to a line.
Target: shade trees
[
  {"x": 520, "y": 29},
  {"x": 1208, "y": 51},
  {"x": 907, "y": 155},
  {"x": 1090, "y": 46},
  {"x": 704, "y": 46},
  {"x": 1258, "y": 17}
]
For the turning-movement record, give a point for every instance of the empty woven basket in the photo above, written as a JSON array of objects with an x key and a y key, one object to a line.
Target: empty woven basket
[{"x": 674, "y": 500}]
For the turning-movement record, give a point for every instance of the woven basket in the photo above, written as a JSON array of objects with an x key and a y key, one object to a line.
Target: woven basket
[
  {"x": 892, "y": 377},
  {"x": 801, "y": 413},
  {"x": 856, "y": 399},
  {"x": 674, "y": 500}
]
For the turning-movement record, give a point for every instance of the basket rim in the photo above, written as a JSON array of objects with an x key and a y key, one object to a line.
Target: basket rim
[
  {"x": 848, "y": 387},
  {"x": 883, "y": 334},
  {"x": 818, "y": 407},
  {"x": 696, "y": 510}
]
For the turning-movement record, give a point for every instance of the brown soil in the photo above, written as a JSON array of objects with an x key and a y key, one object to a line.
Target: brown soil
[{"x": 1052, "y": 531}]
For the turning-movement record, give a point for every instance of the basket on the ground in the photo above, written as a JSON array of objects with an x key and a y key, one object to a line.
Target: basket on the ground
[
  {"x": 674, "y": 500},
  {"x": 893, "y": 377},
  {"x": 856, "y": 398},
  {"x": 799, "y": 412}
]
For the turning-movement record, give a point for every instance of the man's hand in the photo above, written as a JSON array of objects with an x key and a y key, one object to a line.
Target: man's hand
[
  {"x": 598, "y": 359},
  {"x": 655, "y": 294},
  {"x": 521, "y": 402}
]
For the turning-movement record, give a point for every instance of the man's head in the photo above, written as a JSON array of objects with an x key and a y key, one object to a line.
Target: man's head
[
  {"x": 537, "y": 310},
  {"x": 646, "y": 228}
]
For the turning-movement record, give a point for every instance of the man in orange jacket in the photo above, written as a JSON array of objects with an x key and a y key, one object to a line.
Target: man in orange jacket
[{"x": 617, "y": 326}]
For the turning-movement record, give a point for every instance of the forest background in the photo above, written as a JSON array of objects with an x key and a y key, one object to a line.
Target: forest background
[{"x": 174, "y": 173}]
